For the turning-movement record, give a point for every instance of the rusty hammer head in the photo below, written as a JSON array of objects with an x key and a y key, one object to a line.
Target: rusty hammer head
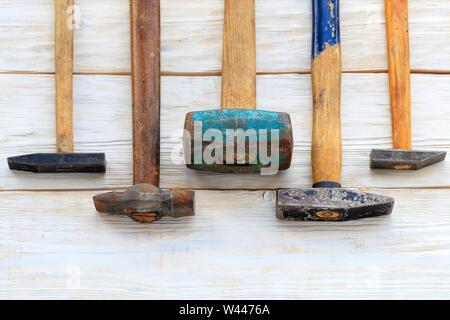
[
  {"x": 330, "y": 204},
  {"x": 147, "y": 203},
  {"x": 404, "y": 159},
  {"x": 237, "y": 140}
]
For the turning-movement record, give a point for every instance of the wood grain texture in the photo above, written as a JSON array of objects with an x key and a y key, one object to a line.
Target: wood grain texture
[
  {"x": 64, "y": 75},
  {"x": 326, "y": 149},
  {"x": 103, "y": 120},
  {"x": 192, "y": 36},
  {"x": 399, "y": 72},
  {"x": 239, "y": 55},
  {"x": 146, "y": 91},
  {"x": 229, "y": 249}
]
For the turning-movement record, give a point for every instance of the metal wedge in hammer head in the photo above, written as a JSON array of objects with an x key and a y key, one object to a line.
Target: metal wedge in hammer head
[
  {"x": 238, "y": 138},
  {"x": 401, "y": 157},
  {"x": 326, "y": 201},
  {"x": 147, "y": 203},
  {"x": 65, "y": 160}
]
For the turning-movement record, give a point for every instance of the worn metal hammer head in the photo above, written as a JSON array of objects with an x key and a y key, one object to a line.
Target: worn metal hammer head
[
  {"x": 330, "y": 204},
  {"x": 147, "y": 203},
  {"x": 59, "y": 162},
  {"x": 404, "y": 159},
  {"x": 238, "y": 138}
]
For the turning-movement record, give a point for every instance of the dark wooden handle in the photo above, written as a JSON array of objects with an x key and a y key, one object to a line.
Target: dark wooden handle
[
  {"x": 64, "y": 75},
  {"x": 326, "y": 86},
  {"x": 145, "y": 67},
  {"x": 239, "y": 55},
  {"x": 399, "y": 72}
]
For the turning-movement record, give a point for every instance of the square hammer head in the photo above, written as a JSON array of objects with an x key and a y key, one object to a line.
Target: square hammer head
[
  {"x": 404, "y": 159},
  {"x": 238, "y": 140},
  {"x": 330, "y": 204}
]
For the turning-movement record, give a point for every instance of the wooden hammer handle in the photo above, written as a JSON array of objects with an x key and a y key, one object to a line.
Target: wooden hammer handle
[
  {"x": 63, "y": 75},
  {"x": 326, "y": 86},
  {"x": 239, "y": 55},
  {"x": 145, "y": 66},
  {"x": 399, "y": 72}
]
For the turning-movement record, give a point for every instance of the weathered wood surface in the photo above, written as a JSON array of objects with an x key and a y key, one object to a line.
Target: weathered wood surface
[
  {"x": 63, "y": 77},
  {"x": 234, "y": 247},
  {"x": 192, "y": 35},
  {"x": 102, "y": 121},
  {"x": 62, "y": 248}
]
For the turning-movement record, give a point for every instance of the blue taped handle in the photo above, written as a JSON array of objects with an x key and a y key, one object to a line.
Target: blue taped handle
[{"x": 326, "y": 28}]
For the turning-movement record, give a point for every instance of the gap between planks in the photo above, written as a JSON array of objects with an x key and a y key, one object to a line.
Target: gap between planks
[
  {"x": 218, "y": 73},
  {"x": 222, "y": 190}
]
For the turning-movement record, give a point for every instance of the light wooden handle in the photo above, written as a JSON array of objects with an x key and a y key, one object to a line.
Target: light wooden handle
[
  {"x": 326, "y": 86},
  {"x": 399, "y": 72},
  {"x": 145, "y": 61},
  {"x": 239, "y": 55},
  {"x": 64, "y": 74}
]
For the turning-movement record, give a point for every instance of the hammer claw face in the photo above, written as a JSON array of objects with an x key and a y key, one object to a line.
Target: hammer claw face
[
  {"x": 231, "y": 140},
  {"x": 404, "y": 159},
  {"x": 330, "y": 204}
]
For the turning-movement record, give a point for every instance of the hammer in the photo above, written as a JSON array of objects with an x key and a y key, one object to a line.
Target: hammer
[
  {"x": 145, "y": 202},
  {"x": 326, "y": 201},
  {"x": 402, "y": 157},
  {"x": 64, "y": 160},
  {"x": 245, "y": 131}
]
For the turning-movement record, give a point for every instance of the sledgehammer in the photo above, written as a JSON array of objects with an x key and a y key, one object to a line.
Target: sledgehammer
[
  {"x": 402, "y": 157},
  {"x": 239, "y": 131},
  {"x": 64, "y": 160},
  {"x": 145, "y": 202},
  {"x": 327, "y": 201}
]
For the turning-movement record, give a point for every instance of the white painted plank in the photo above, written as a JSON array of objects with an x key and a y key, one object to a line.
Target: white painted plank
[
  {"x": 54, "y": 245},
  {"x": 192, "y": 35},
  {"x": 103, "y": 123}
]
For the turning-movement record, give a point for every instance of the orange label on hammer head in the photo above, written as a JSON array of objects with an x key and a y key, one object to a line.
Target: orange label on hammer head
[{"x": 327, "y": 215}]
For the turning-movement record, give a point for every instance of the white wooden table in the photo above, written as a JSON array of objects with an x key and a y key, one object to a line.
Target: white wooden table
[{"x": 53, "y": 244}]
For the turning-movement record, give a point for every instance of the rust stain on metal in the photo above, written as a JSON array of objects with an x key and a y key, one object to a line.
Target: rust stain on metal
[
  {"x": 146, "y": 203},
  {"x": 328, "y": 215}
]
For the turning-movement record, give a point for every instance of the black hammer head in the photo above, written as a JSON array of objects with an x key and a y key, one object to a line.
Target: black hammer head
[
  {"x": 330, "y": 204},
  {"x": 59, "y": 162},
  {"x": 147, "y": 203},
  {"x": 404, "y": 159}
]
